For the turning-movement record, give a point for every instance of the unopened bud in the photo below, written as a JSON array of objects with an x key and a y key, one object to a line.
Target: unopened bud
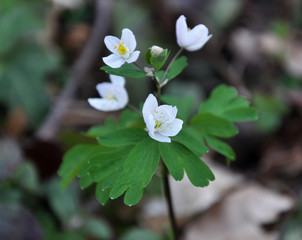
[{"x": 156, "y": 50}]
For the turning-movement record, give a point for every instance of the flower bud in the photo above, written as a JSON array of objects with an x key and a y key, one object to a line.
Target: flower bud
[
  {"x": 157, "y": 56},
  {"x": 156, "y": 50}
]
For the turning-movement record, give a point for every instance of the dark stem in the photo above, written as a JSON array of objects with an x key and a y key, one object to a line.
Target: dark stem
[
  {"x": 138, "y": 66},
  {"x": 169, "y": 201}
]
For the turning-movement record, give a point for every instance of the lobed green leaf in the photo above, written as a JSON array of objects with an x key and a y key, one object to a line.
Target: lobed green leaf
[
  {"x": 184, "y": 105},
  {"x": 73, "y": 161},
  {"x": 139, "y": 168},
  {"x": 126, "y": 70},
  {"x": 191, "y": 140},
  {"x": 178, "y": 158},
  {"x": 100, "y": 130},
  {"x": 209, "y": 124},
  {"x": 123, "y": 137}
]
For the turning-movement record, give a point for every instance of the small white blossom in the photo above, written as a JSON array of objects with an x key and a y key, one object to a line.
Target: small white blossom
[
  {"x": 156, "y": 50},
  {"x": 191, "y": 39},
  {"x": 122, "y": 49},
  {"x": 114, "y": 95},
  {"x": 161, "y": 121}
]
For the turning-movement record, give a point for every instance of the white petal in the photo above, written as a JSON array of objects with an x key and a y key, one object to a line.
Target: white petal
[
  {"x": 171, "y": 129},
  {"x": 121, "y": 95},
  {"x": 133, "y": 57},
  {"x": 104, "y": 104},
  {"x": 198, "y": 45},
  {"x": 198, "y": 34},
  {"x": 165, "y": 113},
  {"x": 129, "y": 39},
  {"x": 114, "y": 61},
  {"x": 104, "y": 88},
  {"x": 118, "y": 92},
  {"x": 149, "y": 106},
  {"x": 117, "y": 80},
  {"x": 181, "y": 30},
  {"x": 112, "y": 43},
  {"x": 158, "y": 137},
  {"x": 150, "y": 123}
]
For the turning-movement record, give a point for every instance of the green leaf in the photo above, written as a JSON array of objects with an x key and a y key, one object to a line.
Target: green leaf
[
  {"x": 123, "y": 137},
  {"x": 178, "y": 158},
  {"x": 73, "y": 161},
  {"x": 220, "y": 147},
  {"x": 64, "y": 203},
  {"x": 18, "y": 21},
  {"x": 102, "y": 195},
  {"x": 191, "y": 140},
  {"x": 148, "y": 56},
  {"x": 129, "y": 118},
  {"x": 97, "y": 228},
  {"x": 177, "y": 67},
  {"x": 225, "y": 103},
  {"x": 184, "y": 105},
  {"x": 209, "y": 124},
  {"x": 139, "y": 168},
  {"x": 103, "y": 167},
  {"x": 100, "y": 130},
  {"x": 126, "y": 70}
]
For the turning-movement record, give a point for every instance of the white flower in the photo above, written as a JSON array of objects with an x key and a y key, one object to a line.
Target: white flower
[
  {"x": 191, "y": 39},
  {"x": 114, "y": 95},
  {"x": 161, "y": 121},
  {"x": 122, "y": 49}
]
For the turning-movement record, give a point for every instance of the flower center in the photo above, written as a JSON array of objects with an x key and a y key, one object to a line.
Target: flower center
[
  {"x": 158, "y": 124},
  {"x": 110, "y": 96},
  {"x": 121, "y": 49},
  {"x": 189, "y": 29}
]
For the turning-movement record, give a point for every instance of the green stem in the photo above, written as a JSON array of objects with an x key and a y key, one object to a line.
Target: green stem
[
  {"x": 135, "y": 109},
  {"x": 170, "y": 64},
  {"x": 141, "y": 68}
]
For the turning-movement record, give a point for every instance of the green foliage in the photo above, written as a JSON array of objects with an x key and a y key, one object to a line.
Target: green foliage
[
  {"x": 177, "y": 158},
  {"x": 24, "y": 62},
  {"x": 184, "y": 105},
  {"x": 177, "y": 67},
  {"x": 139, "y": 234},
  {"x": 126, "y": 70},
  {"x": 271, "y": 111},
  {"x": 216, "y": 116},
  {"x": 126, "y": 158}
]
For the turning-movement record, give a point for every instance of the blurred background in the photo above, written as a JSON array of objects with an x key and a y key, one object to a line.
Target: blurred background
[{"x": 50, "y": 56}]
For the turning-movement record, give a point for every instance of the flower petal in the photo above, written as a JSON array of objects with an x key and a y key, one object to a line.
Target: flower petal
[
  {"x": 171, "y": 129},
  {"x": 150, "y": 123},
  {"x": 121, "y": 95},
  {"x": 114, "y": 61},
  {"x": 104, "y": 104},
  {"x": 149, "y": 106},
  {"x": 129, "y": 39},
  {"x": 112, "y": 43},
  {"x": 104, "y": 88},
  {"x": 117, "y": 80},
  {"x": 181, "y": 30},
  {"x": 198, "y": 45},
  {"x": 133, "y": 57},
  {"x": 165, "y": 113},
  {"x": 158, "y": 137}
]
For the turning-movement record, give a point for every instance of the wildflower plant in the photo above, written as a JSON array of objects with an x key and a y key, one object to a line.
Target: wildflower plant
[{"x": 161, "y": 136}]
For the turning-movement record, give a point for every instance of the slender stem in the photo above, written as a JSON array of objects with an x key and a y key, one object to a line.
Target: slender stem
[
  {"x": 169, "y": 201},
  {"x": 135, "y": 109},
  {"x": 141, "y": 68},
  {"x": 170, "y": 64}
]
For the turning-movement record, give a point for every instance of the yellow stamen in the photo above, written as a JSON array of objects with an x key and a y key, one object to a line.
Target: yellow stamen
[
  {"x": 189, "y": 29},
  {"x": 121, "y": 48}
]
